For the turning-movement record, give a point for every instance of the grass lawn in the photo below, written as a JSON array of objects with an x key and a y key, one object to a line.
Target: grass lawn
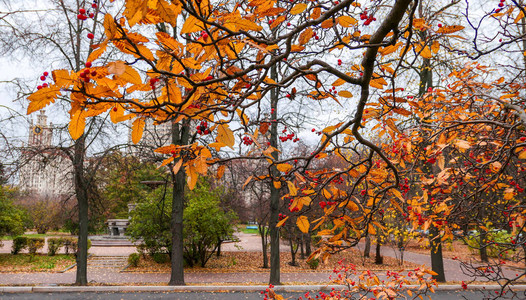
[
  {"x": 244, "y": 229},
  {"x": 37, "y": 263},
  {"x": 34, "y": 235}
]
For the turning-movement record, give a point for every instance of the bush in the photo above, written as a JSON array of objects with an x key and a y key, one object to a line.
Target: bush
[
  {"x": 72, "y": 245},
  {"x": 133, "y": 259},
  {"x": 19, "y": 243},
  {"x": 35, "y": 244},
  {"x": 160, "y": 258},
  {"x": 53, "y": 244},
  {"x": 494, "y": 238},
  {"x": 313, "y": 263}
]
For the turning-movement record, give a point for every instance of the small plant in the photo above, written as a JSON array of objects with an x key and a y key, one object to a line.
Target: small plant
[
  {"x": 313, "y": 263},
  {"x": 19, "y": 243},
  {"x": 71, "y": 244},
  {"x": 35, "y": 244},
  {"x": 53, "y": 244},
  {"x": 133, "y": 259}
]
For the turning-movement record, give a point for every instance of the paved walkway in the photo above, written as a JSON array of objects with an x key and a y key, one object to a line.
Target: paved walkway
[{"x": 247, "y": 243}]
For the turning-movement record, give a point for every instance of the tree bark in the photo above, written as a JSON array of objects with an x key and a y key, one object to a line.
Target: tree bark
[
  {"x": 437, "y": 263},
  {"x": 483, "y": 250},
  {"x": 274, "y": 192},
  {"x": 367, "y": 250},
  {"x": 82, "y": 200},
  {"x": 180, "y": 136},
  {"x": 264, "y": 243},
  {"x": 378, "y": 259}
]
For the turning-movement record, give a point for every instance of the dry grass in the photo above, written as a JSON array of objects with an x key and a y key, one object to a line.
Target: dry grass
[
  {"x": 38, "y": 263},
  {"x": 253, "y": 262}
]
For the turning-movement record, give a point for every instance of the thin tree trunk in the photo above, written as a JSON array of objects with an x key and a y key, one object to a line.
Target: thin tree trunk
[
  {"x": 483, "y": 250},
  {"x": 378, "y": 259},
  {"x": 264, "y": 243},
  {"x": 292, "y": 252},
  {"x": 302, "y": 250},
  {"x": 274, "y": 192},
  {"x": 308, "y": 250},
  {"x": 179, "y": 137},
  {"x": 367, "y": 250},
  {"x": 82, "y": 199},
  {"x": 437, "y": 263}
]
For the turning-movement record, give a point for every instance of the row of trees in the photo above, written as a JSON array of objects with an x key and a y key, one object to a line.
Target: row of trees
[{"x": 256, "y": 76}]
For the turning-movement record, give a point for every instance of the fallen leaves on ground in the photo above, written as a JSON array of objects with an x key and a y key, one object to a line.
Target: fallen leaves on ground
[{"x": 23, "y": 262}]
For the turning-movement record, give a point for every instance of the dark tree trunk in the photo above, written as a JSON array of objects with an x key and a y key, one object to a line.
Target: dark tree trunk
[
  {"x": 378, "y": 259},
  {"x": 264, "y": 242},
  {"x": 218, "y": 252},
  {"x": 292, "y": 252},
  {"x": 180, "y": 136},
  {"x": 302, "y": 250},
  {"x": 437, "y": 263},
  {"x": 308, "y": 241},
  {"x": 82, "y": 199},
  {"x": 274, "y": 192},
  {"x": 367, "y": 250},
  {"x": 483, "y": 250}
]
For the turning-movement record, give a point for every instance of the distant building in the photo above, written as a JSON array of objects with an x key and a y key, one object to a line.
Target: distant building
[
  {"x": 44, "y": 170},
  {"x": 154, "y": 136}
]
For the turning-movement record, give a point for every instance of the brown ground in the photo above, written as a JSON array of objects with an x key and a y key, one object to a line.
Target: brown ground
[{"x": 253, "y": 262}]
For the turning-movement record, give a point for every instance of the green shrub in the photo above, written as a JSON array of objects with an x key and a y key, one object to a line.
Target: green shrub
[
  {"x": 71, "y": 244},
  {"x": 160, "y": 258},
  {"x": 19, "y": 243},
  {"x": 493, "y": 241},
  {"x": 313, "y": 263},
  {"x": 35, "y": 244},
  {"x": 133, "y": 259},
  {"x": 53, "y": 244}
]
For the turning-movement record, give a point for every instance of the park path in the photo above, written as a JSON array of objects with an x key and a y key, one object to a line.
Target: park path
[{"x": 247, "y": 242}]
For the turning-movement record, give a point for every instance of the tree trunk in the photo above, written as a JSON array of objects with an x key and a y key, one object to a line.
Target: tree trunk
[
  {"x": 367, "y": 250},
  {"x": 274, "y": 192},
  {"x": 378, "y": 259},
  {"x": 218, "y": 252},
  {"x": 82, "y": 199},
  {"x": 264, "y": 243},
  {"x": 437, "y": 263},
  {"x": 292, "y": 252},
  {"x": 302, "y": 250},
  {"x": 180, "y": 136},
  {"x": 308, "y": 250},
  {"x": 483, "y": 250}
]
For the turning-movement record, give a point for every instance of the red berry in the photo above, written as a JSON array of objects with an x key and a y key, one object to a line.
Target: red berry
[
  {"x": 94, "y": 5},
  {"x": 44, "y": 85},
  {"x": 42, "y": 78},
  {"x": 523, "y": 139},
  {"x": 91, "y": 15},
  {"x": 313, "y": 130},
  {"x": 86, "y": 79},
  {"x": 91, "y": 36},
  {"x": 439, "y": 25},
  {"x": 39, "y": 87},
  {"x": 497, "y": 10},
  {"x": 501, "y": 4},
  {"x": 82, "y": 11},
  {"x": 88, "y": 64},
  {"x": 46, "y": 73},
  {"x": 115, "y": 109},
  {"x": 94, "y": 73},
  {"x": 205, "y": 36}
]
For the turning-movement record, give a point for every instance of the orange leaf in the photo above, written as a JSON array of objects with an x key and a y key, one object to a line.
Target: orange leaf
[
  {"x": 303, "y": 224},
  {"x": 137, "y": 130},
  {"x": 77, "y": 124},
  {"x": 225, "y": 135},
  {"x": 298, "y": 9},
  {"x": 280, "y": 223}
]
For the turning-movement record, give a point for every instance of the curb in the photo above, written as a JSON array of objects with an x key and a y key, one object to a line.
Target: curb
[{"x": 224, "y": 288}]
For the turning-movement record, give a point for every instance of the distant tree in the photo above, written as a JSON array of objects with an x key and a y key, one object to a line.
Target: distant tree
[{"x": 11, "y": 217}]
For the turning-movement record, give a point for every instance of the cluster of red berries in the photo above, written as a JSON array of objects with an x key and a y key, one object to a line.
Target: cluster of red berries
[
  {"x": 338, "y": 180},
  {"x": 332, "y": 90},
  {"x": 247, "y": 140},
  {"x": 281, "y": 216},
  {"x": 500, "y": 5},
  {"x": 152, "y": 82},
  {"x": 328, "y": 203},
  {"x": 203, "y": 35},
  {"x": 43, "y": 78},
  {"x": 367, "y": 18},
  {"x": 83, "y": 15},
  {"x": 203, "y": 128},
  {"x": 266, "y": 292},
  {"x": 85, "y": 75},
  {"x": 315, "y": 36}
]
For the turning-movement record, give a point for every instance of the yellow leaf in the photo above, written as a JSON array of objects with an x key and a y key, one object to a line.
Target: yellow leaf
[
  {"x": 131, "y": 75},
  {"x": 277, "y": 21},
  {"x": 277, "y": 185},
  {"x": 42, "y": 98},
  {"x": 292, "y": 188},
  {"x": 296, "y": 48},
  {"x": 284, "y": 168},
  {"x": 435, "y": 46},
  {"x": 345, "y": 94},
  {"x": 305, "y": 36},
  {"x": 137, "y": 130},
  {"x": 450, "y": 29},
  {"x": 280, "y": 223},
  {"x": 298, "y": 9},
  {"x": 177, "y": 166},
  {"x": 338, "y": 82},
  {"x": 346, "y": 21},
  {"x": 247, "y": 181},
  {"x": 110, "y": 28},
  {"x": 166, "y": 12},
  {"x": 167, "y": 161},
  {"x": 327, "y": 24},
  {"x": 220, "y": 171},
  {"x": 97, "y": 52},
  {"x": 522, "y": 155},
  {"x": 392, "y": 125},
  {"x": 192, "y": 24},
  {"x": 77, "y": 124},
  {"x": 426, "y": 53},
  {"x": 225, "y": 135},
  {"x": 192, "y": 177},
  {"x": 62, "y": 78},
  {"x": 116, "y": 113},
  {"x": 303, "y": 224}
]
